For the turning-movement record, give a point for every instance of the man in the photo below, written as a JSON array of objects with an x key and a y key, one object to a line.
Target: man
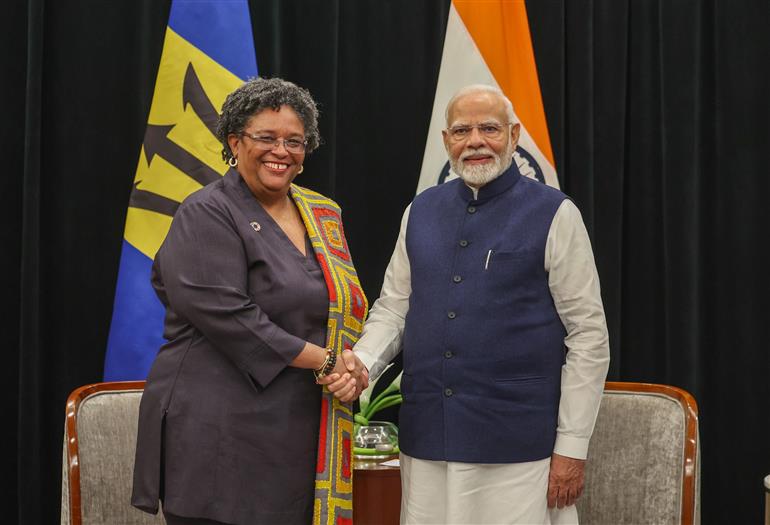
[{"x": 493, "y": 294}]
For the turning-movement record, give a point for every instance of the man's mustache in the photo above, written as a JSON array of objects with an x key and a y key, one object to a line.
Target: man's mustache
[{"x": 480, "y": 151}]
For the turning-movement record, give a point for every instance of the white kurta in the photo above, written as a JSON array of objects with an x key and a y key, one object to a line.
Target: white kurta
[{"x": 574, "y": 286}]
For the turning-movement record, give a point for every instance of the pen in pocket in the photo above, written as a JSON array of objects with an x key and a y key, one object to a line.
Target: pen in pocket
[{"x": 486, "y": 263}]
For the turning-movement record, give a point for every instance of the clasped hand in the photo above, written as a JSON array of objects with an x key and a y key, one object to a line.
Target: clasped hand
[{"x": 348, "y": 379}]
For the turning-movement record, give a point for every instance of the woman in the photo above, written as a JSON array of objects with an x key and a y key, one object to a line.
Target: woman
[{"x": 257, "y": 283}]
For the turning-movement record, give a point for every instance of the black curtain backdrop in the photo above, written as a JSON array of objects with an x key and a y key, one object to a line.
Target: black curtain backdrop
[{"x": 658, "y": 115}]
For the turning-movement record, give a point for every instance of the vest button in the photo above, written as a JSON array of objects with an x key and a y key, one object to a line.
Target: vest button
[
  {"x": 463, "y": 243},
  {"x": 451, "y": 315},
  {"x": 457, "y": 278},
  {"x": 471, "y": 209},
  {"x": 448, "y": 354},
  {"x": 448, "y": 392}
]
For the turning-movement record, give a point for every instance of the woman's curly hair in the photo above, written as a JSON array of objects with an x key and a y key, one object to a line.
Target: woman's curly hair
[{"x": 258, "y": 94}]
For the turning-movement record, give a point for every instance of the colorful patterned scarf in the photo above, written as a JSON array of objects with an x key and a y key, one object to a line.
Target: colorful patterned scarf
[{"x": 347, "y": 310}]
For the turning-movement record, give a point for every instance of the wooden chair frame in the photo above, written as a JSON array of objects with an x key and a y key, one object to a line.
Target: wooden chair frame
[{"x": 73, "y": 460}]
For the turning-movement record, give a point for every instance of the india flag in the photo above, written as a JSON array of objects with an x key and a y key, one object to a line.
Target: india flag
[{"x": 488, "y": 42}]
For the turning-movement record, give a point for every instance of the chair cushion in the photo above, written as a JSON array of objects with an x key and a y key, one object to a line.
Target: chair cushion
[
  {"x": 106, "y": 428},
  {"x": 635, "y": 461}
]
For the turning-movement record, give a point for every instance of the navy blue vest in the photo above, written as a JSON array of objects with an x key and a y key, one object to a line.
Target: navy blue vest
[{"x": 483, "y": 343}]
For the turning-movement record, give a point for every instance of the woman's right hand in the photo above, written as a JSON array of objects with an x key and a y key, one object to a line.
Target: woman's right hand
[{"x": 348, "y": 379}]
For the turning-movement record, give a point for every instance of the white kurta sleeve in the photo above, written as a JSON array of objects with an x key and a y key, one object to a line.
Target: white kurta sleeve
[
  {"x": 574, "y": 286},
  {"x": 384, "y": 329}
]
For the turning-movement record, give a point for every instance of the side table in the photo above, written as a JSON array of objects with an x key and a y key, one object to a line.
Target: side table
[{"x": 376, "y": 492}]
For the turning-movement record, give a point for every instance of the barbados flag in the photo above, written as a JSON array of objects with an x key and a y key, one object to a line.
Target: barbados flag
[
  {"x": 208, "y": 51},
  {"x": 488, "y": 42}
]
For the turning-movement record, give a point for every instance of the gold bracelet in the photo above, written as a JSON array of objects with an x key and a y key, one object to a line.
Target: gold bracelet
[{"x": 327, "y": 366}]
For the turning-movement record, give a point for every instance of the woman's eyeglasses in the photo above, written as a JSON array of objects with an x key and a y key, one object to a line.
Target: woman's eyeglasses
[{"x": 268, "y": 142}]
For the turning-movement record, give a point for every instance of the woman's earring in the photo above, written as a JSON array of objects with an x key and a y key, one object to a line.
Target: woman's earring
[
  {"x": 301, "y": 169},
  {"x": 232, "y": 162}
]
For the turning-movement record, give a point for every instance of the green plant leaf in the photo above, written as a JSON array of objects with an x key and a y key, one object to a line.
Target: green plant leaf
[
  {"x": 381, "y": 403},
  {"x": 392, "y": 388},
  {"x": 365, "y": 398}
]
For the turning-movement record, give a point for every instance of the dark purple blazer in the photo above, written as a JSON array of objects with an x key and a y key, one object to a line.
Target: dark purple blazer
[{"x": 227, "y": 431}]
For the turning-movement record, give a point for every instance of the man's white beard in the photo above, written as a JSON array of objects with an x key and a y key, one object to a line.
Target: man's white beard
[{"x": 480, "y": 174}]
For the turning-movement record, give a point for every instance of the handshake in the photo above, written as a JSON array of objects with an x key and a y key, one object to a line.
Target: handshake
[{"x": 348, "y": 378}]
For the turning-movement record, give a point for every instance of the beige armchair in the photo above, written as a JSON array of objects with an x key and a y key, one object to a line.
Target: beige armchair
[
  {"x": 644, "y": 458},
  {"x": 98, "y": 456}
]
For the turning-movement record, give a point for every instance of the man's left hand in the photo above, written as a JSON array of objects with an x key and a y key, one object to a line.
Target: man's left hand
[{"x": 565, "y": 480}]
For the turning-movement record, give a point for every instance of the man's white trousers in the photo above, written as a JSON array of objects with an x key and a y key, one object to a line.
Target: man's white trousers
[{"x": 441, "y": 492}]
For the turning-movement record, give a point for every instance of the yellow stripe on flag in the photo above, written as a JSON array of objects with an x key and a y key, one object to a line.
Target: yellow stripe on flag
[
  {"x": 163, "y": 178},
  {"x": 167, "y": 107},
  {"x": 146, "y": 230}
]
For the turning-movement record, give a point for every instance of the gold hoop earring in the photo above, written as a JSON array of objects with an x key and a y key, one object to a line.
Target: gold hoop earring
[
  {"x": 232, "y": 162},
  {"x": 301, "y": 169}
]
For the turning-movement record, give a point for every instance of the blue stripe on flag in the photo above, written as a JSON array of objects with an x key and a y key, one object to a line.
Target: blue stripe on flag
[
  {"x": 221, "y": 29},
  {"x": 137, "y": 320}
]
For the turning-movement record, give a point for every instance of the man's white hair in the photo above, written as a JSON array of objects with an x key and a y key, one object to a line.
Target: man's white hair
[{"x": 481, "y": 88}]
